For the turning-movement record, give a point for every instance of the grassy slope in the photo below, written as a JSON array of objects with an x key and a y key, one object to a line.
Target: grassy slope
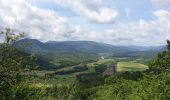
[{"x": 130, "y": 66}]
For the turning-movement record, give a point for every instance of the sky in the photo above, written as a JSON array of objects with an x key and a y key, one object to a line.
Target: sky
[{"x": 116, "y": 22}]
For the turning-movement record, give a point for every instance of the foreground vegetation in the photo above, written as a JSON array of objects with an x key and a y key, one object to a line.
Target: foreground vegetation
[{"x": 19, "y": 80}]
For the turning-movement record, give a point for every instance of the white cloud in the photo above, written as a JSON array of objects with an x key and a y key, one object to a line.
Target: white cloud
[
  {"x": 160, "y": 2},
  {"x": 37, "y": 23},
  {"x": 92, "y": 10},
  {"x": 46, "y": 25},
  {"x": 143, "y": 32}
]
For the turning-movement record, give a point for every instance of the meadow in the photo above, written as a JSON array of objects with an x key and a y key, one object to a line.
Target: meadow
[{"x": 130, "y": 66}]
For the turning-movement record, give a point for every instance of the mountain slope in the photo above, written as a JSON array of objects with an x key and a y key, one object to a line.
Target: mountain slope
[{"x": 80, "y": 46}]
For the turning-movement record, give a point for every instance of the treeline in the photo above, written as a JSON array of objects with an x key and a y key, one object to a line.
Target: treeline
[{"x": 66, "y": 59}]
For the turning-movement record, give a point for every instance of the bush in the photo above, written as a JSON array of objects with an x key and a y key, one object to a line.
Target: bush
[{"x": 26, "y": 91}]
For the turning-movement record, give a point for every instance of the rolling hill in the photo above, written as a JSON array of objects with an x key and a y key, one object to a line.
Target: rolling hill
[{"x": 81, "y": 46}]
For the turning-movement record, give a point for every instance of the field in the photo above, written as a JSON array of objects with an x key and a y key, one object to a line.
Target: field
[
  {"x": 68, "y": 74},
  {"x": 130, "y": 66}
]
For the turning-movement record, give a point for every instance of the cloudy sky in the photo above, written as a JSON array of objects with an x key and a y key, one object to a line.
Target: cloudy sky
[{"x": 117, "y": 22}]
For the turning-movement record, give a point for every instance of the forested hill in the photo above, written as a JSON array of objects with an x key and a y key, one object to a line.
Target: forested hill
[{"x": 81, "y": 46}]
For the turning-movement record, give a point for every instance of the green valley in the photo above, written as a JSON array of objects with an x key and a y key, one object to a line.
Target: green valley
[{"x": 51, "y": 71}]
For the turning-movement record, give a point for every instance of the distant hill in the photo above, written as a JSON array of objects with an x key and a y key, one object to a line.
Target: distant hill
[
  {"x": 58, "y": 54},
  {"x": 81, "y": 46}
]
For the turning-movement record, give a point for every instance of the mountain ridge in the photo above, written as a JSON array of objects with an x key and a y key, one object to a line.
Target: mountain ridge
[{"x": 83, "y": 46}]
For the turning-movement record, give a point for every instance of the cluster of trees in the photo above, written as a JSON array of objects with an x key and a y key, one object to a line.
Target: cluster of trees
[
  {"x": 15, "y": 66},
  {"x": 162, "y": 62},
  {"x": 73, "y": 70},
  {"x": 66, "y": 59}
]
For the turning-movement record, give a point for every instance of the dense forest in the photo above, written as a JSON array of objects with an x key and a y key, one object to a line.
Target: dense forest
[{"x": 18, "y": 78}]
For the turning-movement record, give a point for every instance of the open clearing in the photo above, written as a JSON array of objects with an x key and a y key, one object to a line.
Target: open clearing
[{"x": 130, "y": 66}]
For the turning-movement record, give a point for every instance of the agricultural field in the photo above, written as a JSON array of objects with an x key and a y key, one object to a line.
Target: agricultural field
[
  {"x": 130, "y": 66},
  {"x": 68, "y": 74},
  {"x": 101, "y": 61}
]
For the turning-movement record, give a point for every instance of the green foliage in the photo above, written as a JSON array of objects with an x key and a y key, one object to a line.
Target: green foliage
[
  {"x": 12, "y": 64},
  {"x": 148, "y": 87},
  {"x": 70, "y": 70},
  {"x": 60, "y": 92},
  {"x": 162, "y": 61},
  {"x": 70, "y": 59},
  {"x": 26, "y": 91},
  {"x": 10, "y": 36},
  {"x": 100, "y": 69}
]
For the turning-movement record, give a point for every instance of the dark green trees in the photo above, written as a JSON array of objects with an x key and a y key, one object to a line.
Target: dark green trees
[{"x": 13, "y": 63}]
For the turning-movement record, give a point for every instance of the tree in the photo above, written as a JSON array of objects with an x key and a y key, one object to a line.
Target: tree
[
  {"x": 162, "y": 61},
  {"x": 10, "y": 36},
  {"x": 12, "y": 63}
]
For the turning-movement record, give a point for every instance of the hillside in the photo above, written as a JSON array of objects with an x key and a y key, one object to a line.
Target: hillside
[{"x": 81, "y": 46}]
